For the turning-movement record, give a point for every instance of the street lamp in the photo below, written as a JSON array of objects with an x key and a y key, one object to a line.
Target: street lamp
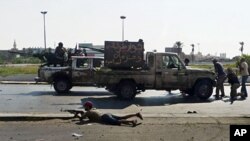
[
  {"x": 44, "y": 12},
  {"x": 123, "y": 17}
]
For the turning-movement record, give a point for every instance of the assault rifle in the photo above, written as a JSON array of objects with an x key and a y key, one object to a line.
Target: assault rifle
[{"x": 75, "y": 111}]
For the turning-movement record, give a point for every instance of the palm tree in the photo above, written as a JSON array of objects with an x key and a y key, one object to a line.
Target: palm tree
[
  {"x": 192, "y": 45},
  {"x": 178, "y": 44},
  {"x": 241, "y": 48}
]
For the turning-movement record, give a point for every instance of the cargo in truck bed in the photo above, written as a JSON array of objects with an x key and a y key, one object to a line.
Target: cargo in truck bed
[{"x": 124, "y": 55}]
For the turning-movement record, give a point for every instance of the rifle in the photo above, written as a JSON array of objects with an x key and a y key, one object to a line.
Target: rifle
[{"x": 75, "y": 111}]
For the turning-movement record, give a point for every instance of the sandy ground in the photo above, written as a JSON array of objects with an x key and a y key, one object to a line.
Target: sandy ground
[{"x": 151, "y": 129}]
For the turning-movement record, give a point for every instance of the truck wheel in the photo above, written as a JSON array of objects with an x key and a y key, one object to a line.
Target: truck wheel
[
  {"x": 61, "y": 85},
  {"x": 203, "y": 89},
  {"x": 127, "y": 90}
]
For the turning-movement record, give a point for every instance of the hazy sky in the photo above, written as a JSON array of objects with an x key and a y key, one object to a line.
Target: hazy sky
[{"x": 217, "y": 25}]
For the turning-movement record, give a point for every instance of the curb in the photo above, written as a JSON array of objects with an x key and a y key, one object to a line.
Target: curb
[
  {"x": 22, "y": 82},
  {"x": 42, "y": 83},
  {"x": 32, "y": 117},
  {"x": 42, "y": 117}
]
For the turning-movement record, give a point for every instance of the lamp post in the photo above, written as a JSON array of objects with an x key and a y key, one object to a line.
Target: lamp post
[
  {"x": 123, "y": 17},
  {"x": 44, "y": 12}
]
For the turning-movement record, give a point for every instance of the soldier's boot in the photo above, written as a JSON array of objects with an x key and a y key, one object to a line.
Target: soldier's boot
[
  {"x": 217, "y": 97},
  {"x": 242, "y": 95}
]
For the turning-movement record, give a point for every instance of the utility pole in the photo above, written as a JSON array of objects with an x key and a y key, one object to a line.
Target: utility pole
[
  {"x": 44, "y": 12},
  {"x": 123, "y": 17}
]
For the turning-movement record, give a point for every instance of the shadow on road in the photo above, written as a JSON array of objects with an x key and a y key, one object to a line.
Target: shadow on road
[
  {"x": 74, "y": 93},
  {"x": 106, "y": 100},
  {"x": 114, "y": 103}
]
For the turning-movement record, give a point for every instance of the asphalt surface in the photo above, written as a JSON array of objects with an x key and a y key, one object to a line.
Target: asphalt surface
[
  {"x": 166, "y": 115},
  {"x": 28, "y": 100},
  {"x": 151, "y": 129},
  {"x": 21, "y": 98}
]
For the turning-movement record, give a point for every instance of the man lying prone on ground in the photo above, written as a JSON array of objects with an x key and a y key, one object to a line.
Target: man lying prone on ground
[{"x": 95, "y": 116}]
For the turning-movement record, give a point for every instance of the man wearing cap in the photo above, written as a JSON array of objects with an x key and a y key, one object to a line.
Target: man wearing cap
[
  {"x": 95, "y": 116},
  {"x": 221, "y": 77}
]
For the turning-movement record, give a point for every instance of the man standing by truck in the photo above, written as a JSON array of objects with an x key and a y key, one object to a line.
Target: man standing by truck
[
  {"x": 244, "y": 75},
  {"x": 221, "y": 77}
]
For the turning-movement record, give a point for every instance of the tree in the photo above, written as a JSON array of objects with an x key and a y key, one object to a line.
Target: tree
[
  {"x": 192, "y": 45},
  {"x": 178, "y": 45},
  {"x": 241, "y": 48}
]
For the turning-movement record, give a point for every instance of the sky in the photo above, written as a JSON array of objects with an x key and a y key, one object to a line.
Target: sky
[{"x": 213, "y": 26}]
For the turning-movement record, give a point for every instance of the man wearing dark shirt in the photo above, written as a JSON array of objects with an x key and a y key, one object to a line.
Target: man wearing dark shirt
[
  {"x": 234, "y": 82},
  {"x": 221, "y": 77},
  {"x": 60, "y": 52}
]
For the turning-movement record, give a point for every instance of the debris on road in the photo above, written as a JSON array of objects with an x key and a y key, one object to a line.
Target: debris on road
[
  {"x": 39, "y": 140},
  {"x": 76, "y": 135},
  {"x": 190, "y": 112}
]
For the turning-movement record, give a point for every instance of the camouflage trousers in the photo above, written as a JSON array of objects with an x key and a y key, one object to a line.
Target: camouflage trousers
[{"x": 234, "y": 88}]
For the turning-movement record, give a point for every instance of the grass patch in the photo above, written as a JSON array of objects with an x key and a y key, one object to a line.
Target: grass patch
[
  {"x": 202, "y": 66},
  {"x": 12, "y": 70},
  {"x": 211, "y": 67},
  {"x": 32, "y": 69}
]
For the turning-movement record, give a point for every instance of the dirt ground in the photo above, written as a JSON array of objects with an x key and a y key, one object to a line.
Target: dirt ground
[{"x": 151, "y": 129}]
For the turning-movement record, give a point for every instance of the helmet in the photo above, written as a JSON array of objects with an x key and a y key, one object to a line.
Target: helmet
[{"x": 88, "y": 104}]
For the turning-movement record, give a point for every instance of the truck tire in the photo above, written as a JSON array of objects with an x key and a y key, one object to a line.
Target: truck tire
[
  {"x": 127, "y": 90},
  {"x": 61, "y": 85},
  {"x": 203, "y": 89}
]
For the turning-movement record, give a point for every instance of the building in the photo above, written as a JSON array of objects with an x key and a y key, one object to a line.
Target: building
[{"x": 223, "y": 55}]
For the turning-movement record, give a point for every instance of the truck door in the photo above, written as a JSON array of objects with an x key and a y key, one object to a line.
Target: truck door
[
  {"x": 82, "y": 74},
  {"x": 173, "y": 72}
]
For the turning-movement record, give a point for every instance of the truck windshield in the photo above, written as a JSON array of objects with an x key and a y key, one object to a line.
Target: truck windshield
[
  {"x": 83, "y": 63},
  {"x": 170, "y": 62}
]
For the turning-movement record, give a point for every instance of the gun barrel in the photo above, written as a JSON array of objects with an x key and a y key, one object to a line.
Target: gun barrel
[{"x": 72, "y": 111}]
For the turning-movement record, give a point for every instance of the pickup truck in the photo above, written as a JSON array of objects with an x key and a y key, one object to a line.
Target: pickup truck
[
  {"x": 80, "y": 72},
  {"x": 162, "y": 71}
]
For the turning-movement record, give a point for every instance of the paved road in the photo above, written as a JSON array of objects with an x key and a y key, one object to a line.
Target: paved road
[
  {"x": 42, "y": 99},
  {"x": 151, "y": 129}
]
